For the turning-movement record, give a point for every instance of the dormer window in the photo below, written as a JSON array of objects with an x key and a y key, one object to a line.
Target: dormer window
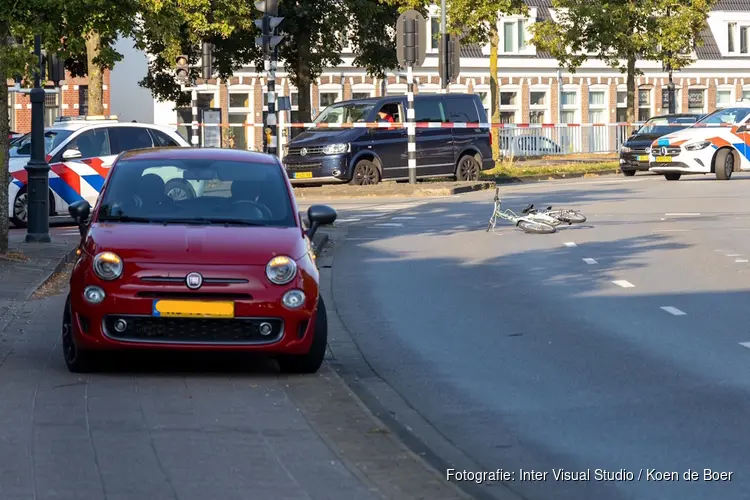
[
  {"x": 514, "y": 36},
  {"x": 738, "y": 38},
  {"x": 435, "y": 32}
]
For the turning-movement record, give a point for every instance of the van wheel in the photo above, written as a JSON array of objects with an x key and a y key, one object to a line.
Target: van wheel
[
  {"x": 468, "y": 169},
  {"x": 365, "y": 173}
]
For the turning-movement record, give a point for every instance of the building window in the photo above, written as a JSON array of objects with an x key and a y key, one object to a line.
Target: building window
[
  {"x": 723, "y": 98},
  {"x": 569, "y": 106},
  {"x": 744, "y": 36},
  {"x": 665, "y": 100},
  {"x": 435, "y": 32},
  {"x": 83, "y": 100},
  {"x": 597, "y": 106},
  {"x": 569, "y": 98},
  {"x": 51, "y": 108},
  {"x": 746, "y": 95},
  {"x": 509, "y": 106},
  {"x": 240, "y": 113},
  {"x": 484, "y": 95},
  {"x": 622, "y": 106},
  {"x": 239, "y": 100},
  {"x": 521, "y": 34},
  {"x": 742, "y": 32},
  {"x": 644, "y": 105},
  {"x": 328, "y": 99},
  {"x": 731, "y": 29},
  {"x": 537, "y": 106},
  {"x": 12, "y": 111},
  {"x": 695, "y": 100},
  {"x": 361, "y": 95}
]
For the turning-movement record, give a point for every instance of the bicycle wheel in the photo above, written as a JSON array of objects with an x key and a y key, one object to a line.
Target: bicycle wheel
[
  {"x": 573, "y": 217},
  {"x": 536, "y": 227},
  {"x": 491, "y": 223},
  {"x": 548, "y": 219}
]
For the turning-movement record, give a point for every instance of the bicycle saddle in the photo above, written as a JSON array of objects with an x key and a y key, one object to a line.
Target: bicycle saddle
[
  {"x": 548, "y": 208},
  {"x": 527, "y": 209}
]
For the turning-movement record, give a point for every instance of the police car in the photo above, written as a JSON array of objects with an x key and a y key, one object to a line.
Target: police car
[
  {"x": 718, "y": 143},
  {"x": 80, "y": 150}
]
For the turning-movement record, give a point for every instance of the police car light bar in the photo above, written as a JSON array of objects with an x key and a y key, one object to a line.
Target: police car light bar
[{"x": 88, "y": 118}]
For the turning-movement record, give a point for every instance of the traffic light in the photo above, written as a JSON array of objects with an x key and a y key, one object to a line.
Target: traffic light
[
  {"x": 207, "y": 56},
  {"x": 452, "y": 56},
  {"x": 268, "y": 24},
  {"x": 55, "y": 69},
  {"x": 410, "y": 36},
  {"x": 182, "y": 69}
]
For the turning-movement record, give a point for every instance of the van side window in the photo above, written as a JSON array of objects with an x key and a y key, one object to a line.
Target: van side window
[
  {"x": 389, "y": 110},
  {"x": 461, "y": 110},
  {"x": 429, "y": 110}
]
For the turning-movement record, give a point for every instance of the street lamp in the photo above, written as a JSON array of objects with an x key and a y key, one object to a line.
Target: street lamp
[{"x": 37, "y": 167}]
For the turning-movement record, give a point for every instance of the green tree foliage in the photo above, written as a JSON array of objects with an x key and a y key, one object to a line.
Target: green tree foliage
[
  {"x": 620, "y": 32},
  {"x": 316, "y": 35},
  {"x": 476, "y": 21}
]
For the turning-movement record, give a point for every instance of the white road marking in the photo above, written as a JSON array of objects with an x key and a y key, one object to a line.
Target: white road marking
[
  {"x": 623, "y": 284},
  {"x": 682, "y": 214},
  {"x": 588, "y": 260},
  {"x": 673, "y": 311},
  {"x": 347, "y": 220},
  {"x": 362, "y": 239},
  {"x": 389, "y": 224},
  {"x": 670, "y": 230},
  {"x": 404, "y": 217},
  {"x": 745, "y": 344},
  {"x": 740, "y": 260},
  {"x": 570, "y": 244},
  {"x": 719, "y": 250},
  {"x": 734, "y": 255}
]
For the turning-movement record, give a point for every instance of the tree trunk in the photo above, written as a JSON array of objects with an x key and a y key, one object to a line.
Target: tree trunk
[
  {"x": 495, "y": 93},
  {"x": 630, "y": 113},
  {"x": 4, "y": 147},
  {"x": 95, "y": 74},
  {"x": 304, "y": 80}
]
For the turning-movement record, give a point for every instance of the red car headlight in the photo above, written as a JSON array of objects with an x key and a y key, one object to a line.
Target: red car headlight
[
  {"x": 108, "y": 266},
  {"x": 281, "y": 270}
]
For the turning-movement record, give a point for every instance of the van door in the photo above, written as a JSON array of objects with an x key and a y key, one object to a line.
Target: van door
[
  {"x": 461, "y": 108},
  {"x": 434, "y": 145},
  {"x": 389, "y": 144}
]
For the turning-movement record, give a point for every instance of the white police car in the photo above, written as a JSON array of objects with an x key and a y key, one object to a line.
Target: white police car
[{"x": 80, "y": 151}]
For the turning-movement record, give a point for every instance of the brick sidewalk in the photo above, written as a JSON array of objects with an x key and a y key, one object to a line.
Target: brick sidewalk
[{"x": 26, "y": 268}]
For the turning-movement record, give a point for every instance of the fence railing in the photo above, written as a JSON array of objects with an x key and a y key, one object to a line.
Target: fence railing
[{"x": 516, "y": 140}]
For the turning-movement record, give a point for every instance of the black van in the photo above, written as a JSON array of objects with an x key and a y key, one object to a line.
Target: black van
[{"x": 369, "y": 155}]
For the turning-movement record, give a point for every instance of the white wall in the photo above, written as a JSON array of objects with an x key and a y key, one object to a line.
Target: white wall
[{"x": 128, "y": 100}]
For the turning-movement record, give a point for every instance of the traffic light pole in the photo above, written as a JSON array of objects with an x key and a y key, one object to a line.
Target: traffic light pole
[
  {"x": 37, "y": 211},
  {"x": 444, "y": 53},
  {"x": 270, "y": 67},
  {"x": 194, "y": 141},
  {"x": 410, "y": 56}
]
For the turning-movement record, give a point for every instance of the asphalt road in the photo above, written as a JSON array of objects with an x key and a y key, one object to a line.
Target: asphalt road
[{"x": 619, "y": 344}]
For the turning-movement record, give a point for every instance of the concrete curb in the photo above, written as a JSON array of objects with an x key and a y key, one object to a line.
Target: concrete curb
[
  {"x": 64, "y": 260},
  {"x": 391, "y": 190},
  {"x": 552, "y": 177}
]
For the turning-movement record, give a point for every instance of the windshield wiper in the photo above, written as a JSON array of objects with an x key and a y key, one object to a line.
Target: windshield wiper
[{"x": 213, "y": 220}]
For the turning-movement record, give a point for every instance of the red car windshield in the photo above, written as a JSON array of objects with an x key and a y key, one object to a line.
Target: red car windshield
[{"x": 196, "y": 191}]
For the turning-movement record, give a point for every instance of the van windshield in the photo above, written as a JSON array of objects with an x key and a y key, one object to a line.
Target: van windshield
[{"x": 345, "y": 113}]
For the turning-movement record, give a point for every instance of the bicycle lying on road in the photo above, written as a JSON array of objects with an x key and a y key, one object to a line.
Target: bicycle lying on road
[
  {"x": 561, "y": 214},
  {"x": 538, "y": 223}
]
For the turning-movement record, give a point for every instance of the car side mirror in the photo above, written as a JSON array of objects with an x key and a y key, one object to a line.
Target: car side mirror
[
  {"x": 71, "y": 154},
  {"x": 319, "y": 215},
  {"x": 80, "y": 211}
]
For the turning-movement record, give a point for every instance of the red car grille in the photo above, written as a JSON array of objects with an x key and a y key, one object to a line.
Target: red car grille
[{"x": 194, "y": 331}]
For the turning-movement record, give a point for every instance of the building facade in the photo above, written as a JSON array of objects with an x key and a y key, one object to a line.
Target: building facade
[
  {"x": 69, "y": 99},
  {"x": 534, "y": 89}
]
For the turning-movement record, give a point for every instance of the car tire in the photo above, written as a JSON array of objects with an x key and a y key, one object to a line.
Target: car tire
[
  {"x": 724, "y": 171},
  {"x": 672, "y": 176},
  {"x": 468, "y": 169},
  {"x": 22, "y": 194},
  {"x": 180, "y": 186},
  {"x": 628, "y": 173},
  {"x": 365, "y": 173},
  {"x": 310, "y": 362},
  {"x": 77, "y": 360}
]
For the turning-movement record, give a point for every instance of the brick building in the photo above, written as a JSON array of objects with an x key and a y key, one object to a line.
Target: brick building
[
  {"x": 70, "y": 99},
  {"x": 534, "y": 89}
]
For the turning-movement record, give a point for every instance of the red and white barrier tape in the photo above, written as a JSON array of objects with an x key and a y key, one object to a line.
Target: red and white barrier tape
[{"x": 388, "y": 125}]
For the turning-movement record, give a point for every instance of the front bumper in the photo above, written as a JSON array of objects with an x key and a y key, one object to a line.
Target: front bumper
[
  {"x": 634, "y": 161},
  {"x": 319, "y": 169},
  {"x": 688, "y": 162}
]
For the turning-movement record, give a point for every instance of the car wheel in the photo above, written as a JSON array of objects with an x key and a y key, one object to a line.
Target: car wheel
[
  {"x": 365, "y": 173},
  {"x": 310, "y": 362},
  {"x": 724, "y": 168},
  {"x": 77, "y": 360},
  {"x": 179, "y": 189},
  {"x": 468, "y": 169},
  {"x": 628, "y": 173},
  {"x": 20, "y": 214},
  {"x": 672, "y": 177}
]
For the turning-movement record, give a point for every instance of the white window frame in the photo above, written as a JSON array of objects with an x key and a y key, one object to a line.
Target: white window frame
[
  {"x": 329, "y": 88},
  {"x": 248, "y": 111},
  {"x": 517, "y": 107},
  {"x": 399, "y": 88},
  {"x": 726, "y": 88},
  {"x": 429, "y": 88},
  {"x": 661, "y": 109},
  {"x": 541, "y": 107},
  {"x": 517, "y": 22},
  {"x": 651, "y": 103},
  {"x": 705, "y": 100},
  {"x": 604, "y": 89},
  {"x": 431, "y": 35},
  {"x": 736, "y": 28},
  {"x": 363, "y": 88},
  {"x": 456, "y": 88},
  {"x": 478, "y": 89},
  {"x": 12, "y": 111},
  {"x": 745, "y": 93},
  {"x": 576, "y": 108}
]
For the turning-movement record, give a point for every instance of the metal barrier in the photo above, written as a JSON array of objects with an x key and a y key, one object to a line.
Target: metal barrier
[{"x": 520, "y": 139}]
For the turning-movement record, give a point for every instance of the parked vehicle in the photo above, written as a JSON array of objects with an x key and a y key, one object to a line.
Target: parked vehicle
[
  {"x": 369, "y": 155},
  {"x": 635, "y": 150},
  {"x": 232, "y": 269},
  {"x": 719, "y": 143},
  {"x": 80, "y": 151}
]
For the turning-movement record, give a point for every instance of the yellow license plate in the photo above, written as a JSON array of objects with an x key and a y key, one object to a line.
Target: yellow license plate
[
  {"x": 303, "y": 175},
  {"x": 664, "y": 159},
  {"x": 643, "y": 158},
  {"x": 193, "y": 309}
]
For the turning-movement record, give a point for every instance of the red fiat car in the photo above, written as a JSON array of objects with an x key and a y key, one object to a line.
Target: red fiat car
[{"x": 231, "y": 268}]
